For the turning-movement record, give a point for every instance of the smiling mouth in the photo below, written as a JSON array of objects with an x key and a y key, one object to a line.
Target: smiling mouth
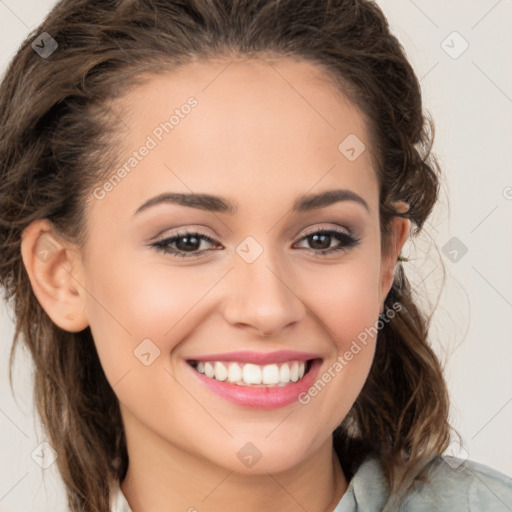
[{"x": 253, "y": 375}]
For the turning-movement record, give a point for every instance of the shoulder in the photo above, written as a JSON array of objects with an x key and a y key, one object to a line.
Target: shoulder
[
  {"x": 461, "y": 485},
  {"x": 450, "y": 484}
]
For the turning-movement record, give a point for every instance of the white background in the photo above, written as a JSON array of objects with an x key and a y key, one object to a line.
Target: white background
[{"x": 470, "y": 99}]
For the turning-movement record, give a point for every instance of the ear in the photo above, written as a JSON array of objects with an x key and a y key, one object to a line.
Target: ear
[
  {"x": 54, "y": 269},
  {"x": 399, "y": 233}
]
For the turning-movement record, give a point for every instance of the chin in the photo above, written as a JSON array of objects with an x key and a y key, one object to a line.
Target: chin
[{"x": 261, "y": 456}]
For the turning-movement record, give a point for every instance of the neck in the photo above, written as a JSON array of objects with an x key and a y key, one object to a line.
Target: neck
[{"x": 165, "y": 478}]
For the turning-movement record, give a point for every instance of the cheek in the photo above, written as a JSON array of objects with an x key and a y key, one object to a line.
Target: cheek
[
  {"x": 346, "y": 299},
  {"x": 348, "y": 308},
  {"x": 130, "y": 301}
]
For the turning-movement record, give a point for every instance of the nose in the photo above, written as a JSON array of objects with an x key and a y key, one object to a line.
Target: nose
[{"x": 261, "y": 297}]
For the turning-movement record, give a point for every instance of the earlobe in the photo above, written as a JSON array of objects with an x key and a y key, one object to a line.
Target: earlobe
[{"x": 52, "y": 267}]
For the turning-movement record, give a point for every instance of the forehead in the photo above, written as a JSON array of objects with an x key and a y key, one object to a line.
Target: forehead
[
  {"x": 240, "y": 96},
  {"x": 280, "y": 127}
]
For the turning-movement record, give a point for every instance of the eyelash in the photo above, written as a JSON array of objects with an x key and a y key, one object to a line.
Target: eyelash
[{"x": 346, "y": 240}]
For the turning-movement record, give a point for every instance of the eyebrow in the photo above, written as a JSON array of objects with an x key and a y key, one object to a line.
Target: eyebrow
[{"x": 219, "y": 204}]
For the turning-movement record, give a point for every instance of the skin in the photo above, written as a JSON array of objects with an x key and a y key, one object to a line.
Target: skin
[{"x": 262, "y": 135}]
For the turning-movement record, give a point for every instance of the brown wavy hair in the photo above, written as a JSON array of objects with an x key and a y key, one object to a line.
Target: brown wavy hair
[{"x": 57, "y": 141}]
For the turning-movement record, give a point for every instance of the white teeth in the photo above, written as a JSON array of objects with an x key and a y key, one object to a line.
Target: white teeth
[
  {"x": 234, "y": 372},
  {"x": 251, "y": 374},
  {"x": 294, "y": 372},
  {"x": 208, "y": 370},
  {"x": 221, "y": 372},
  {"x": 302, "y": 369},
  {"x": 284, "y": 373},
  {"x": 269, "y": 375}
]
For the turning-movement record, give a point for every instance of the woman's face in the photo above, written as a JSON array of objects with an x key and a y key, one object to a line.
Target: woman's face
[{"x": 240, "y": 243}]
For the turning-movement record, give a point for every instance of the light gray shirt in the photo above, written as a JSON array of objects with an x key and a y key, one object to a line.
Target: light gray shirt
[{"x": 454, "y": 485}]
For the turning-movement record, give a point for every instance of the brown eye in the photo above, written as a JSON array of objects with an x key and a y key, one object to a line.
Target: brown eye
[
  {"x": 185, "y": 244},
  {"x": 321, "y": 241}
]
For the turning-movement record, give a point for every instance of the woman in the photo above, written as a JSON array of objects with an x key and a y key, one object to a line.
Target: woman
[{"x": 203, "y": 208}]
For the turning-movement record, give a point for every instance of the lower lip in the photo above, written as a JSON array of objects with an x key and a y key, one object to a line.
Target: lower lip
[{"x": 261, "y": 397}]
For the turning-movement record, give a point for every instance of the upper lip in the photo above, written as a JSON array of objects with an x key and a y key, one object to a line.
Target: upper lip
[{"x": 259, "y": 358}]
